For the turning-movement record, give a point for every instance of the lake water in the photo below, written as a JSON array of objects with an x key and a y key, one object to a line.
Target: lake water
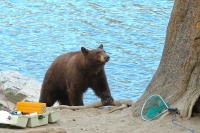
[{"x": 33, "y": 33}]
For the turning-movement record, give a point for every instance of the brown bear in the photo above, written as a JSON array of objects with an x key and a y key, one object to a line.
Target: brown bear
[{"x": 71, "y": 74}]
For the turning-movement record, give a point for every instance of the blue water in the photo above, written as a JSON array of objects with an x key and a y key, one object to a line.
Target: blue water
[{"x": 33, "y": 33}]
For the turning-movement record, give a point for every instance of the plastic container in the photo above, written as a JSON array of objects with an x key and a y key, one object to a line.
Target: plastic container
[
  {"x": 38, "y": 120},
  {"x": 31, "y": 107},
  {"x": 54, "y": 116},
  {"x": 19, "y": 120}
]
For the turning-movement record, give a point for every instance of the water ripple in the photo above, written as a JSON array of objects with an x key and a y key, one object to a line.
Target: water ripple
[{"x": 34, "y": 33}]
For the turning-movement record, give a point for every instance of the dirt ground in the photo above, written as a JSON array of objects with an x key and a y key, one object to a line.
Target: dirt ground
[{"x": 99, "y": 120}]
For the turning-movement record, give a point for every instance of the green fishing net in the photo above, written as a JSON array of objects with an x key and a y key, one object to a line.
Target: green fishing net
[{"x": 153, "y": 107}]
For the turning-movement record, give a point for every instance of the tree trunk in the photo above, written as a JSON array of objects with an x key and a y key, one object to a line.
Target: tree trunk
[{"x": 177, "y": 78}]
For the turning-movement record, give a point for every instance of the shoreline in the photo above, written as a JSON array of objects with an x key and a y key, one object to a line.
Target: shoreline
[{"x": 98, "y": 120}]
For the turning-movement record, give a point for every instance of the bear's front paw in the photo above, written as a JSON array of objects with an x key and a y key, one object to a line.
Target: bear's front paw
[{"x": 107, "y": 101}]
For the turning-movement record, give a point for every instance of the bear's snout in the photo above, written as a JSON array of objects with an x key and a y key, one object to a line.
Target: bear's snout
[
  {"x": 107, "y": 58},
  {"x": 104, "y": 58}
]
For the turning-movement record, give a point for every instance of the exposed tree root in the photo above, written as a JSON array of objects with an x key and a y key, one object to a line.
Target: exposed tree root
[{"x": 120, "y": 103}]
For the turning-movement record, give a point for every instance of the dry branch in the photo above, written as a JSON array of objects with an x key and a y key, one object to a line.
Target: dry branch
[
  {"x": 123, "y": 106},
  {"x": 98, "y": 104}
]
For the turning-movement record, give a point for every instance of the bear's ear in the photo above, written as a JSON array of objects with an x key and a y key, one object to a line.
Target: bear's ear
[
  {"x": 101, "y": 46},
  {"x": 84, "y": 51}
]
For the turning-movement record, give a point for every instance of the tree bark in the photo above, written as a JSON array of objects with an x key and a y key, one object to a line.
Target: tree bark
[{"x": 177, "y": 78}]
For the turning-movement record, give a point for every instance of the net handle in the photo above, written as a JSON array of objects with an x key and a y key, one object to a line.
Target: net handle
[{"x": 173, "y": 109}]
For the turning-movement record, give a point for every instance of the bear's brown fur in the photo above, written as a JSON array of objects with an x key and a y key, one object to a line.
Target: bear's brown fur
[{"x": 71, "y": 74}]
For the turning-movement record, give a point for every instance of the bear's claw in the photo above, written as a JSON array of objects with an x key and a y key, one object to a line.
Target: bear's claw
[{"x": 107, "y": 101}]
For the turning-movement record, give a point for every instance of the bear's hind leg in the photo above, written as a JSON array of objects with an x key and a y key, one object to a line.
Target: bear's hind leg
[
  {"x": 64, "y": 100},
  {"x": 49, "y": 101},
  {"x": 48, "y": 97}
]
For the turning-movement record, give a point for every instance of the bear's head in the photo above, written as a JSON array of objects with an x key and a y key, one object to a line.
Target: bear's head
[{"x": 95, "y": 56}]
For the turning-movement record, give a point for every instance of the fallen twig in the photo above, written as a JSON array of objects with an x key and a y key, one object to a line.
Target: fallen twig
[
  {"x": 98, "y": 104},
  {"x": 123, "y": 106}
]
